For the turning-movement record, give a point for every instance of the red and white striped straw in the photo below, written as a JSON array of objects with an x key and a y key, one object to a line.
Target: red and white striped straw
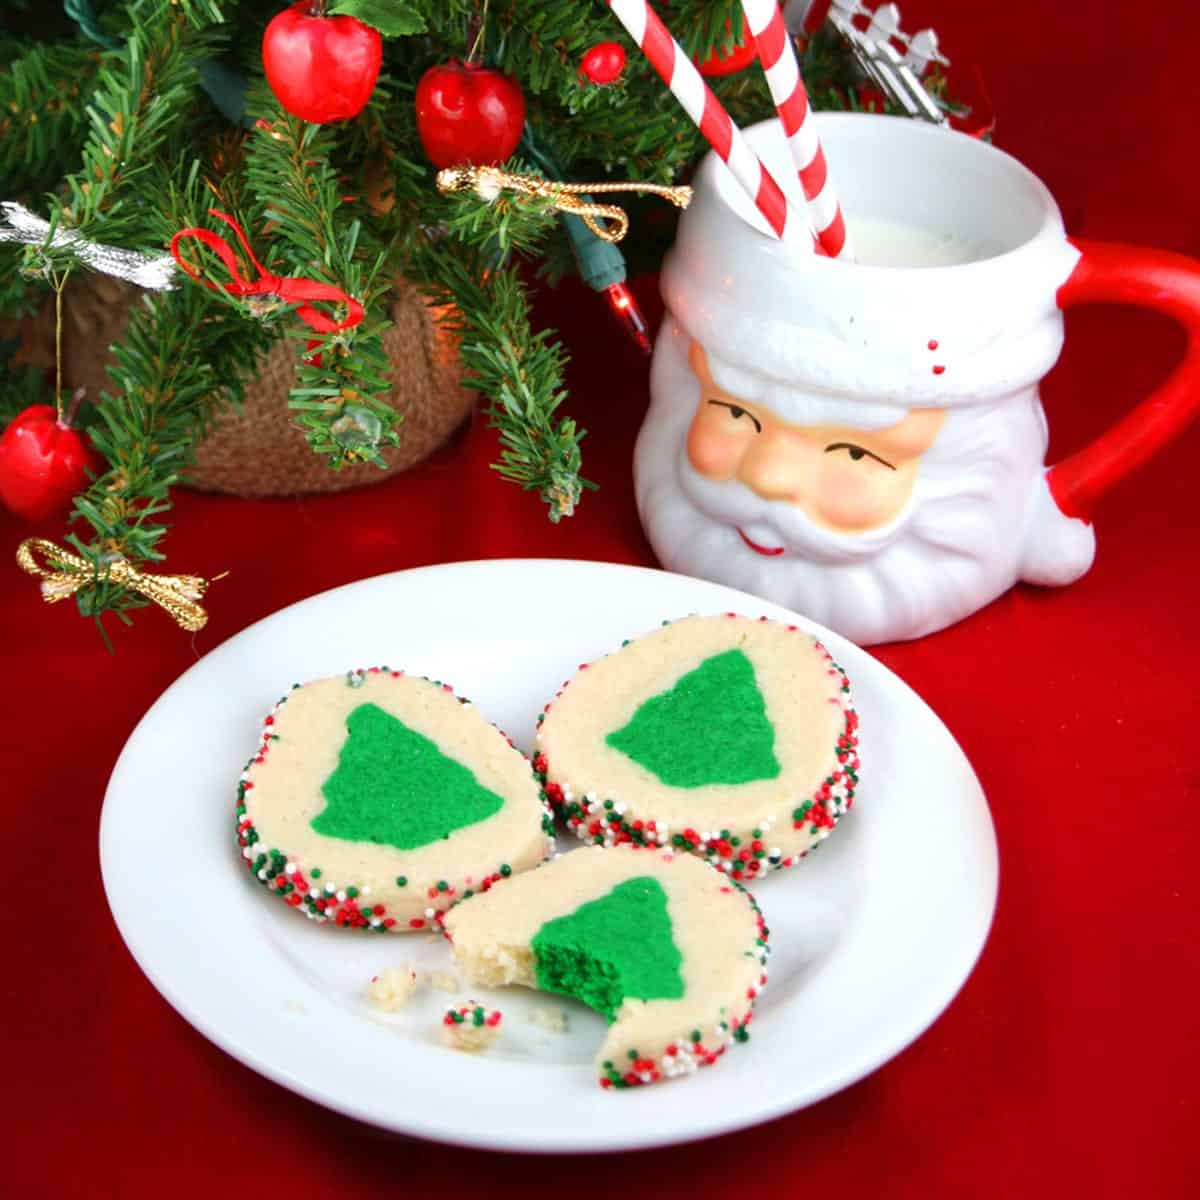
[
  {"x": 778, "y": 58},
  {"x": 687, "y": 85}
]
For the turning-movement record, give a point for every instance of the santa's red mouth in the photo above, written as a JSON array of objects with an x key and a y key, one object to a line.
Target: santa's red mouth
[{"x": 769, "y": 551}]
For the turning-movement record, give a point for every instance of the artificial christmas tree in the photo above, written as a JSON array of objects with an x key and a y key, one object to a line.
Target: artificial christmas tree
[{"x": 125, "y": 122}]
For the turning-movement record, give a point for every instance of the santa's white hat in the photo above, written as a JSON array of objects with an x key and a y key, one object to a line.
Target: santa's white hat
[{"x": 830, "y": 341}]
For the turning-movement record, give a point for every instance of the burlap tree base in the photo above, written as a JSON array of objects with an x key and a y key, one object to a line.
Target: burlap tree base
[{"x": 258, "y": 451}]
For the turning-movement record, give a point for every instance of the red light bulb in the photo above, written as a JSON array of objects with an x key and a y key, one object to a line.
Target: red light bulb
[{"x": 625, "y": 308}]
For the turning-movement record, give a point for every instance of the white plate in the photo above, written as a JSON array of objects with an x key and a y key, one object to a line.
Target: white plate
[{"x": 872, "y": 936}]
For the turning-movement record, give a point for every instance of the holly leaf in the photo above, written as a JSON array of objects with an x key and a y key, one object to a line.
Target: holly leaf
[{"x": 393, "y": 18}]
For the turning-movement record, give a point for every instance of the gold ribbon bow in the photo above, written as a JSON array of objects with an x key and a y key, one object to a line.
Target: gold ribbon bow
[
  {"x": 180, "y": 595},
  {"x": 489, "y": 182}
]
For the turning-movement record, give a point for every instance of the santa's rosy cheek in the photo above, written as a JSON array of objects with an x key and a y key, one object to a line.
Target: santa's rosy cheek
[
  {"x": 856, "y": 496},
  {"x": 714, "y": 448}
]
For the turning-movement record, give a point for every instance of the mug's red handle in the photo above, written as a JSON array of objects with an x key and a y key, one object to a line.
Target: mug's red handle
[{"x": 1168, "y": 283}]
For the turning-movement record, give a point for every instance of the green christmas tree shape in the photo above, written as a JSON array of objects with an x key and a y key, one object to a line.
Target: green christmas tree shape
[
  {"x": 711, "y": 727},
  {"x": 394, "y": 787},
  {"x": 607, "y": 949}
]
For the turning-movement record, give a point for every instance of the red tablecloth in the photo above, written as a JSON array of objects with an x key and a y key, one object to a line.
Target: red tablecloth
[{"x": 1069, "y": 1062}]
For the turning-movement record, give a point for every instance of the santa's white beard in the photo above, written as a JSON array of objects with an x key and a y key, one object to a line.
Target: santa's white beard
[{"x": 957, "y": 544}]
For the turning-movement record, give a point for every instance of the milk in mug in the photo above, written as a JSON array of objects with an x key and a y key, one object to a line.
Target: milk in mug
[{"x": 879, "y": 242}]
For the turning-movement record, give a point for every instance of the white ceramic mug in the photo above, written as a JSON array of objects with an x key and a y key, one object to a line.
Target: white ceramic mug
[{"x": 864, "y": 442}]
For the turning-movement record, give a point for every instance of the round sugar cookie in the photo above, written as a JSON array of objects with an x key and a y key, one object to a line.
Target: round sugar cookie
[
  {"x": 670, "y": 951},
  {"x": 378, "y": 799},
  {"x": 732, "y": 738}
]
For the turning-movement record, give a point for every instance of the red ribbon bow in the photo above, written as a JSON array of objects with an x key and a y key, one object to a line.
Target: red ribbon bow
[{"x": 291, "y": 291}]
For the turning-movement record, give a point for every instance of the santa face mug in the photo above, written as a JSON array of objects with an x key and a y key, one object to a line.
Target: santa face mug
[{"x": 864, "y": 441}]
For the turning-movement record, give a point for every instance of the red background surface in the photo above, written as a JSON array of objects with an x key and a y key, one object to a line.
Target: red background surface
[{"x": 1068, "y": 1064}]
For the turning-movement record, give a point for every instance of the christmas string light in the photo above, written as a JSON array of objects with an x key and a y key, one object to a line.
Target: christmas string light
[
  {"x": 626, "y": 310},
  {"x": 601, "y": 264},
  {"x": 608, "y": 222}
]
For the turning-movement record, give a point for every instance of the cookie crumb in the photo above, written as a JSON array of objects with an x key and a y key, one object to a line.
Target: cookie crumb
[
  {"x": 471, "y": 1027},
  {"x": 553, "y": 1019},
  {"x": 444, "y": 981},
  {"x": 392, "y": 989}
]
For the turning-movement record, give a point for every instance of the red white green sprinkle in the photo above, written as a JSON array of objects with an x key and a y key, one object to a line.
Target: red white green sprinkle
[{"x": 471, "y": 1026}]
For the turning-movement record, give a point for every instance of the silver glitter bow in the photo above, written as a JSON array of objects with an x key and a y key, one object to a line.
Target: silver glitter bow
[{"x": 156, "y": 272}]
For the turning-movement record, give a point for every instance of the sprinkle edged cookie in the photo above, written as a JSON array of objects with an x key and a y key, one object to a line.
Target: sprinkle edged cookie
[
  {"x": 377, "y": 799},
  {"x": 731, "y": 738},
  {"x": 668, "y": 950}
]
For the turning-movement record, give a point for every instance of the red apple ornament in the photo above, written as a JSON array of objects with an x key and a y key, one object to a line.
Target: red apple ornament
[
  {"x": 603, "y": 63},
  {"x": 718, "y": 64},
  {"x": 43, "y": 463},
  {"x": 320, "y": 68},
  {"x": 467, "y": 113}
]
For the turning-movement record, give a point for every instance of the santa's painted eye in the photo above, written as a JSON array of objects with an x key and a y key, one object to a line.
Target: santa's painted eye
[
  {"x": 857, "y": 452},
  {"x": 737, "y": 411}
]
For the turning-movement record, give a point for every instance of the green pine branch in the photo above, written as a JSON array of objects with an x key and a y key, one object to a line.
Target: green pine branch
[
  {"x": 41, "y": 114},
  {"x": 20, "y": 387},
  {"x": 19, "y": 294},
  {"x": 142, "y": 97},
  {"x": 518, "y": 371},
  {"x": 540, "y": 43},
  {"x": 182, "y": 356},
  {"x": 342, "y": 385},
  {"x": 461, "y": 248}
]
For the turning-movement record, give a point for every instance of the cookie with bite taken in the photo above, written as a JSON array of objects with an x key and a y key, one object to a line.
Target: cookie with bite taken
[{"x": 667, "y": 949}]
